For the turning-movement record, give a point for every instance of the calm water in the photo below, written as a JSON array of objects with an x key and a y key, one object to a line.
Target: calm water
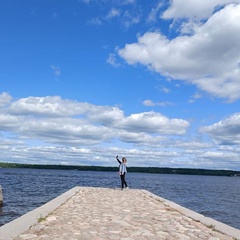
[{"x": 215, "y": 197}]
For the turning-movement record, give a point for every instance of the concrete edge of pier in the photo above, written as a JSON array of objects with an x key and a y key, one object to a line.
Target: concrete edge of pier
[
  {"x": 214, "y": 224},
  {"x": 16, "y": 227},
  {"x": 23, "y": 223}
]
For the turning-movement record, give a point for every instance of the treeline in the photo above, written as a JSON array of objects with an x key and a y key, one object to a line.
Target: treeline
[
  {"x": 57, "y": 167},
  {"x": 188, "y": 171}
]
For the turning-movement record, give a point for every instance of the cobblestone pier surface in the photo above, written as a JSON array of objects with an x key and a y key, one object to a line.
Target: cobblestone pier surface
[{"x": 102, "y": 213}]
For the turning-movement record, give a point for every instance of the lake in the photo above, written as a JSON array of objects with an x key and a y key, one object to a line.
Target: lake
[{"x": 212, "y": 196}]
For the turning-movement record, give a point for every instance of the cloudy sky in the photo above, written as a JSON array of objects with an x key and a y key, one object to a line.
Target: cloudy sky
[{"x": 158, "y": 82}]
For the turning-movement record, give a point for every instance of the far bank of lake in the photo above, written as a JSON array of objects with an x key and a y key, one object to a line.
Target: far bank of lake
[{"x": 161, "y": 170}]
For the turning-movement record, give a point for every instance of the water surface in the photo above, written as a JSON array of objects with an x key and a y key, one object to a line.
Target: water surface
[{"x": 212, "y": 196}]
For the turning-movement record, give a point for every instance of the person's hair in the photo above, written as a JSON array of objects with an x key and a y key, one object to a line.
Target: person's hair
[{"x": 124, "y": 159}]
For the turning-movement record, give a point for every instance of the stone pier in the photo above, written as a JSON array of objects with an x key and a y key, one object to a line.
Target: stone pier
[{"x": 102, "y": 213}]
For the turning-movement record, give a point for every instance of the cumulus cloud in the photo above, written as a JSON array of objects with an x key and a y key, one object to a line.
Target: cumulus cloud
[
  {"x": 141, "y": 139},
  {"x": 208, "y": 59},
  {"x": 62, "y": 121},
  {"x": 154, "y": 123},
  {"x": 225, "y": 132},
  {"x": 5, "y": 99},
  {"x": 194, "y": 8},
  {"x": 53, "y": 106},
  {"x": 51, "y": 128}
]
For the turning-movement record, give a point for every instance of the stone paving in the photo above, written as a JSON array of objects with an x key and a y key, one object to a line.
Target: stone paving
[{"x": 102, "y": 213}]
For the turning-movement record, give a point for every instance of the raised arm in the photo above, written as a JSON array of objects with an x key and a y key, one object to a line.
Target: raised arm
[{"x": 118, "y": 160}]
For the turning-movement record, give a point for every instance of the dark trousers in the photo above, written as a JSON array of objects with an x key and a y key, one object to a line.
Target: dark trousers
[{"x": 123, "y": 181}]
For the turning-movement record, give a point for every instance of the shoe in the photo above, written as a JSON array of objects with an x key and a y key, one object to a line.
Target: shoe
[{"x": 127, "y": 187}]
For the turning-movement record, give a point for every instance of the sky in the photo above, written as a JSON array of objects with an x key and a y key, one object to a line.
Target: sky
[{"x": 157, "y": 82}]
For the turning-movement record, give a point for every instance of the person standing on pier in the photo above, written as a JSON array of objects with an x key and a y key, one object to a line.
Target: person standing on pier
[{"x": 122, "y": 171}]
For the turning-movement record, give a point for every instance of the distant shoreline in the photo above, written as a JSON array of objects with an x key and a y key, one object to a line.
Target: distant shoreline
[{"x": 160, "y": 170}]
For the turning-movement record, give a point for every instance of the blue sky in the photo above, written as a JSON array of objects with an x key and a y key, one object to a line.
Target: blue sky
[{"x": 158, "y": 82}]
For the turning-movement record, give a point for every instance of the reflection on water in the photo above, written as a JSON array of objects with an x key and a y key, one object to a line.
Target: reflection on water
[{"x": 215, "y": 197}]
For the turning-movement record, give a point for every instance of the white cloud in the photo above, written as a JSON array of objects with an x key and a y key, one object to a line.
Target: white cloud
[
  {"x": 208, "y": 59},
  {"x": 165, "y": 90},
  {"x": 152, "y": 17},
  {"x": 53, "y": 106},
  {"x": 194, "y": 97},
  {"x": 192, "y": 145},
  {"x": 141, "y": 139},
  {"x": 153, "y": 122},
  {"x": 225, "y": 132},
  {"x": 125, "y": 12},
  {"x": 108, "y": 116},
  {"x": 194, "y": 8},
  {"x": 113, "y": 13},
  {"x": 56, "y": 120},
  {"x": 150, "y": 103},
  {"x": 5, "y": 99},
  {"x": 95, "y": 21},
  {"x": 56, "y": 70},
  {"x": 130, "y": 19},
  {"x": 112, "y": 60},
  {"x": 52, "y": 128}
]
